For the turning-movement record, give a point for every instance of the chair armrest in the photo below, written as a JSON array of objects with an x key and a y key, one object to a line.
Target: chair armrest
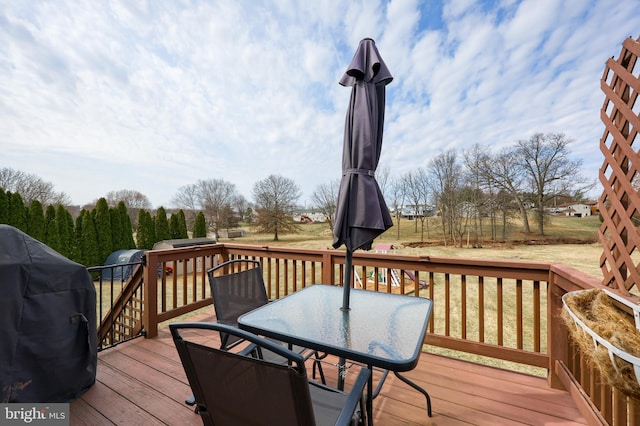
[
  {"x": 354, "y": 398},
  {"x": 250, "y": 350}
]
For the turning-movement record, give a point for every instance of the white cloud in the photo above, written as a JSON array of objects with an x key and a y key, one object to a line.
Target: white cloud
[{"x": 100, "y": 96}]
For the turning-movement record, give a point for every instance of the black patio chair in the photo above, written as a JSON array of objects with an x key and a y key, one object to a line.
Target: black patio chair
[
  {"x": 236, "y": 292},
  {"x": 234, "y": 388},
  {"x": 239, "y": 291}
]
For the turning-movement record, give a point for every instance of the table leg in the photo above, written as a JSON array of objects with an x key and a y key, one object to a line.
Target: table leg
[
  {"x": 369, "y": 401},
  {"x": 418, "y": 388},
  {"x": 342, "y": 372}
]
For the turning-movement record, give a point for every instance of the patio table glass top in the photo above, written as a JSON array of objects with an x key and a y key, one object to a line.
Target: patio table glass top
[{"x": 382, "y": 330}]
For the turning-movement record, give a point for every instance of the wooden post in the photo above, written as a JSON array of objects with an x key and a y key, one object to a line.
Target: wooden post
[
  {"x": 557, "y": 334},
  {"x": 150, "y": 295},
  {"x": 327, "y": 268}
]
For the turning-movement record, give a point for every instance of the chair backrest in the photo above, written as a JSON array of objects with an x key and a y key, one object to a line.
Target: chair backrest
[
  {"x": 237, "y": 292},
  {"x": 233, "y": 389}
]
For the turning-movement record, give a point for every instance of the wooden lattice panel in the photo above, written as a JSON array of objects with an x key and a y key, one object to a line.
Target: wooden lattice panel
[{"x": 620, "y": 173}]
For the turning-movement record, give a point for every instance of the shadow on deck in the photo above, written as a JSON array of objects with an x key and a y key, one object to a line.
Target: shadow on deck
[{"x": 142, "y": 382}]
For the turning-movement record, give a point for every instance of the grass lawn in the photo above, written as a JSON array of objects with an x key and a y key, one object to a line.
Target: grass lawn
[{"x": 568, "y": 240}]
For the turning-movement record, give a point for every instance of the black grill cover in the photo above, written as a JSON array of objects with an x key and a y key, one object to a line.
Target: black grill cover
[{"x": 48, "y": 350}]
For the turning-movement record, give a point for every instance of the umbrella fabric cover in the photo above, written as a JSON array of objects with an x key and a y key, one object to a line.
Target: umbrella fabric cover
[
  {"x": 361, "y": 212},
  {"x": 48, "y": 349}
]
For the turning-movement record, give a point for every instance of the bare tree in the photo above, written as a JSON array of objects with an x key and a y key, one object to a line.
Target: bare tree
[
  {"x": 188, "y": 199},
  {"x": 422, "y": 187},
  {"x": 215, "y": 197},
  {"x": 398, "y": 194},
  {"x": 383, "y": 177},
  {"x": 325, "y": 198},
  {"x": 133, "y": 200},
  {"x": 465, "y": 210},
  {"x": 417, "y": 194},
  {"x": 548, "y": 168},
  {"x": 474, "y": 160},
  {"x": 275, "y": 198},
  {"x": 446, "y": 183},
  {"x": 413, "y": 196},
  {"x": 504, "y": 172},
  {"x": 240, "y": 206},
  {"x": 31, "y": 188},
  {"x": 506, "y": 206}
]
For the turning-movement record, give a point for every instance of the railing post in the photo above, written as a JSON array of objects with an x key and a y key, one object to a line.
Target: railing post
[
  {"x": 327, "y": 268},
  {"x": 150, "y": 294},
  {"x": 224, "y": 257},
  {"x": 557, "y": 334}
]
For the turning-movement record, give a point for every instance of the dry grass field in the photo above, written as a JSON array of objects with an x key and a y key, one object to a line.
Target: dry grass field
[{"x": 568, "y": 240}]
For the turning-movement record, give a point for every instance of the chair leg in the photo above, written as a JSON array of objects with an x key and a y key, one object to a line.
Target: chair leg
[
  {"x": 316, "y": 362},
  {"x": 320, "y": 371},
  {"x": 362, "y": 420},
  {"x": 380, "y": 383},
  {"x": 191, "y": 400}
]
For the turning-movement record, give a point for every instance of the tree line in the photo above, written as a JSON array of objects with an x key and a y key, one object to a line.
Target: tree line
[
  {"x": 207, "y": 206},
  {"x": 478, "y": 186},
  {"x": 274, "y": 203},
  {"x": 463, "y": 190},
  {"x": 96, "y": 232}
]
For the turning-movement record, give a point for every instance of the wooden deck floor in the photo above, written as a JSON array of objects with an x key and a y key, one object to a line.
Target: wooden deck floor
[{"x": 142, "y": 382}]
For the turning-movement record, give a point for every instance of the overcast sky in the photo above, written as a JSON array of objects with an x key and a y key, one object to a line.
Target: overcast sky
[{"x": 153, "y": 95}]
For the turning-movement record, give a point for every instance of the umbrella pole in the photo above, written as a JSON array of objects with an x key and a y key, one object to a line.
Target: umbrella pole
[
  {"x": 347, "y": 281},
  {"x": 345, "y": 308}
]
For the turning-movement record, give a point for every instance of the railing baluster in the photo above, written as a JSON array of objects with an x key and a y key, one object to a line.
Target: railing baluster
[
  {"x": 285, "y": 285},
  {"x": 481, "y": 309},
  {"x": 447, "y": 305},
  {"x": 463, "y": 306},
  {"x": 519, "y": 315},
  {"x": 500, "y": 311},
  {"x": 432, "y": 284},
  {"x": 536, "y": 316}
]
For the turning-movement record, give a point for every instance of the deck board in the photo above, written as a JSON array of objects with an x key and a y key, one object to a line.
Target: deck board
[{"x": 142, "y": 382}]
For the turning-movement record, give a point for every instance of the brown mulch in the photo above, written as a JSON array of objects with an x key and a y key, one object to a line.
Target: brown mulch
[{"x": 510, "y": 243}]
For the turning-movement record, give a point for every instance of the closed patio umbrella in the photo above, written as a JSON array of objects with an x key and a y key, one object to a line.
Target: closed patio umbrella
[{"x": 361, "y": 212}]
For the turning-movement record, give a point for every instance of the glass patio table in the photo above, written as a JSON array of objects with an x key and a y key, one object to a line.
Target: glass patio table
[{"x": 379, "y": 330}]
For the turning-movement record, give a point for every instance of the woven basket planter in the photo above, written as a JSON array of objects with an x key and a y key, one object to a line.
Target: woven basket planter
[{"x": 608, "y": 337}]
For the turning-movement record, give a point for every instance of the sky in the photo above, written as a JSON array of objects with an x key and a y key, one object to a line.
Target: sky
[{"x": 99, "y": 96}]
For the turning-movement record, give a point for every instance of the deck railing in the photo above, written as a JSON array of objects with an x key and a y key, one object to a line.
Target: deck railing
[
  {"x": 118, "y": 302},
  {"x": 498, "y": 309}
]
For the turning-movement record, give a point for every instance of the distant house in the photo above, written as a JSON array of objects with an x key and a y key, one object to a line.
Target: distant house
[
  {"x": 576, "y": 209},
  {"x": 412, "y": 212},
  {"x": 310, "y": 217},
  {"x": 318, "y": 217},
  {"x": 593, "y": 205}
]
